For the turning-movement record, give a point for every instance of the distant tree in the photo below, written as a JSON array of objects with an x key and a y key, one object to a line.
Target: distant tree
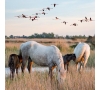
[
  {"x": 52, "y": 35},
  {"x": 84, "y": 36},
  {"x": 6, "y": 36},
  {"x": 11, "y": 36},
  {"x": 24, "y": 36},
  {"x": 91, "y": 40},
  {"x": 67, "y": 36}
]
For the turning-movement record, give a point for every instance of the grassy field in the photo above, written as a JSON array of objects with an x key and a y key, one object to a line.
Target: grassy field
[{"x": 41, "y": 81}]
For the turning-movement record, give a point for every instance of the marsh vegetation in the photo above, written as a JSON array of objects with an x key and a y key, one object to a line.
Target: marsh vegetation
[{"x": 41, "y": 80}]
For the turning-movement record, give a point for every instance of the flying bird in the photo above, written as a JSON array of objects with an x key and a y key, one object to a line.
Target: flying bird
[
  {"x": 74, "y": 24},
  {"x": 49, "y": 8},
  {"x": 91, "y": 19},
  {"x": 36, "y": 17},
  {"x": 33, "y": 19},
  {"x": 24, "y": 16},
  {"x": 43, "y": 9},
  {"x": 64, "y": 22},
  {"x": 80, "y": 21},
  {"x": 44, "y": 13},
  {"x": 54, "y": 4},
  {"x": 86, "y": 19},
  {"x": 30, "y": 17},
  {"x": 18, "y": 16},
  {"x": 36, "y": 14},
  {"x": 56, "y": 18}
]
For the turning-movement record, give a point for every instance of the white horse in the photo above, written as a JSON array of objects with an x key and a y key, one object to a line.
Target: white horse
[
  {"x": 49, "y": 56},
  {"x": 82, "y": 52}
]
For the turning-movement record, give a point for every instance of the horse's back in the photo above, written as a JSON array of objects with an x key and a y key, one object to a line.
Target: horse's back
[
  {"x": 27, "y": 44},
  {"x": 25, "y": 47},
  {"x": 32, "y": 46}
]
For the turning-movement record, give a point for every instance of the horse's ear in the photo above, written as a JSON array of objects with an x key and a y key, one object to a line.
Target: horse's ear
[{"x": 74, "y": 55}]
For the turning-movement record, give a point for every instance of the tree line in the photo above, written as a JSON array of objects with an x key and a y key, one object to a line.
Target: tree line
[{"x": 47, "y": 35}]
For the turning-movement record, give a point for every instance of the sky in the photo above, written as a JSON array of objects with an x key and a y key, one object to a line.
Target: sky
[{"x": 67, "y": 10}]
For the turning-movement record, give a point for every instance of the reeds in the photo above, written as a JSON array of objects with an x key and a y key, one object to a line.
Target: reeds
[{"x": 41, "y": 81}]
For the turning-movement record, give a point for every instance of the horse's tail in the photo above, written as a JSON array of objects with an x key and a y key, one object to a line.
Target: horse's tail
[
  {"x": 80, "y": 53},
  {"x": 20, "y": 54},
  {"x": 80, "y": 56}
]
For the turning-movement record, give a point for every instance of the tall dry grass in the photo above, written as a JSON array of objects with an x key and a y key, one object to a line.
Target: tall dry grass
[{"x": 41, "y": 81}]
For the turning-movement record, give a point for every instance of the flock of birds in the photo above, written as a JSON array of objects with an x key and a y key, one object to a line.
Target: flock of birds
[{"x": 56, "y": 18}]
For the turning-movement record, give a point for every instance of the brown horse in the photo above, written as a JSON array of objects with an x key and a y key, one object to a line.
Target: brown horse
[{"x": 14, "y": 63}]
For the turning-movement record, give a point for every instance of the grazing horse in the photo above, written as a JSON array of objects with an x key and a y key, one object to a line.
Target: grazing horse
[
  {"x": 82, "y": 52},
  {"x": 67, "y": 58},
  {"x": 14, "y": 63},
  {"x": 48, "y": 56}
]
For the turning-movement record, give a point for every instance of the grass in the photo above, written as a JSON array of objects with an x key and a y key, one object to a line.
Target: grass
[
  {"x": 41, "y": 81},
  {"x": 91, "y": 60}
]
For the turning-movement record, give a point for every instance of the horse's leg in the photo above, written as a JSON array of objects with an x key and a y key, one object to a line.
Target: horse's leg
[
  {"x": 84, "y": 64},
  {"x": 80, "y": 67},
  {"x": 22, "y": 68},
  {"x": 67, "y": 66},
  {"x": 51, "y": 68},
  {"x": 13, "y": 72},
  {"x": 50, "y": 73},
  {"x": 10, "y": 74},
  {"x": 17, "y": 71},
  {"x": 29, "y": 65},
  {"x": 58, "y": 80},
  {"x": 23, "y": 65},
  {"x": 77, "y": 66},
  {"x": 86, "y": 56}
]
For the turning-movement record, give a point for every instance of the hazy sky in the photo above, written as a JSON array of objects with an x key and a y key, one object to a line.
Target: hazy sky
[{"x": 67, "y": 10}]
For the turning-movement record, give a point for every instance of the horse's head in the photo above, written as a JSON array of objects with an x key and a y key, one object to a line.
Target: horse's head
[
  {"x": 69, "y": 57},
  {"x": 73, "y": 57},
  {"x": 61, "y": 76},
  {"x": 61, "y": 71}
]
